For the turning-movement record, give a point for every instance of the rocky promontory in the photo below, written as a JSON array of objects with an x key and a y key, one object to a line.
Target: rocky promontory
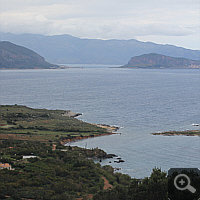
[
  {"x": 159, "y": 61},
  {"x": 109, "y": 128}
]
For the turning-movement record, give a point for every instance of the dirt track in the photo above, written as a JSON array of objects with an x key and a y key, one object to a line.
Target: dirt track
[{"x": 107, "y": 185}]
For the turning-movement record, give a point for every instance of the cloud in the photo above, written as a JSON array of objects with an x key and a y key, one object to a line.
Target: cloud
[
  {"x": 106, "y": 19},
  {"x": 162, "y": 29}
]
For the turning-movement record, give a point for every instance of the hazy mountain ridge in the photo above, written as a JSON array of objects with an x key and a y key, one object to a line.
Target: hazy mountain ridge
[
  {"x": 63, "y": 49},
  {"x": 15, "y": 56},
  {"x": 154, "y": 60}
]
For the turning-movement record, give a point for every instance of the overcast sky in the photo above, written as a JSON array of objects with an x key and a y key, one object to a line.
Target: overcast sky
[{"x": 174, "y": 22}]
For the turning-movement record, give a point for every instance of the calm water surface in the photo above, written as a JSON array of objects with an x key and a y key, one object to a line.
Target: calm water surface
[{"x": 139, "y": 101}]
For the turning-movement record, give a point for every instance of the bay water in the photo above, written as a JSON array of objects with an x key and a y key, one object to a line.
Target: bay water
[{"x": 140, "y": 101}]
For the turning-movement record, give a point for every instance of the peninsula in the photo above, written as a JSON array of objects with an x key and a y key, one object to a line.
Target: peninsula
[
  {"x": 24, "y": 123},
  {"x": 159, "y": 61},
  {"x": 173, "y": 133}
]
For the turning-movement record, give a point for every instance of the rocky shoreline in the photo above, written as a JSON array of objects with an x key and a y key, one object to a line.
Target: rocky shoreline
[
  {"x": 109, "y": 128},
  {"x": 185, "y": 133},
  {"x": 65, "y": 141},
  {"x": 69, "y": 113}
]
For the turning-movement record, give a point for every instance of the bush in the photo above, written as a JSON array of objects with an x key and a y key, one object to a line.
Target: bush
[{"x": 2, "y": 196}]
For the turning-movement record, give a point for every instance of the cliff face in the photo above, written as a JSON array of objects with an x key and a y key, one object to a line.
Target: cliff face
[
  {"x": 14, "y": 56},
  {"x": 154, "y": 60}
]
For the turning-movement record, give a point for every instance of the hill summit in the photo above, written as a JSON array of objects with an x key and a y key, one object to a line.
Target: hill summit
[
  {"x": 13, "y": 56},
  {"x": 159, "y": 61}
]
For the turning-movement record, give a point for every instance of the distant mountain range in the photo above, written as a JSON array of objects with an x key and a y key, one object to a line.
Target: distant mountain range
[
  {"x": 15, "y": 56},
  {"x": 159, "y": 61},
  {"x": 18, "y": 57},
  {"x": 66, "y": 49}
]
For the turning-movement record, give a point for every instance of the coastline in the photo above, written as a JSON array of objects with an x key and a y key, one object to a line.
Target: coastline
[
  {"x": 110, "y": 131},
  {"x": 60, "y": 67},
  {"x": 25, "y": 123},
  {"x": 109, "y": 128},
  {"x": 66, "y": 141}
]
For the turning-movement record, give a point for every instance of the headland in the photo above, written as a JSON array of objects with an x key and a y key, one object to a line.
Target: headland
[
  {"x": 185, "y": 133},
  {"x": 25, "y": 123}
]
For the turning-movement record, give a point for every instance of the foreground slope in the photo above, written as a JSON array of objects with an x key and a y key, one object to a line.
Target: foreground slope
[
  {"x": 55, "y": 171},
  {"x": 14, "y": 56},
  {"x": 158, "y": 61}
]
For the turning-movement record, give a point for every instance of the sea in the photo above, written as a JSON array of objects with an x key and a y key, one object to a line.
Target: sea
[{"x": 139, "y": 101}]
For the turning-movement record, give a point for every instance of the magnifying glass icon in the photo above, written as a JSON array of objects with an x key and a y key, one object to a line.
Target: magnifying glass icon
[{"x": 183, "y": 183}]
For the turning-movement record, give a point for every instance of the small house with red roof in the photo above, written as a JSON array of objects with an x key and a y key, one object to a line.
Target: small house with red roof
[{"x": 5, "y": 166}]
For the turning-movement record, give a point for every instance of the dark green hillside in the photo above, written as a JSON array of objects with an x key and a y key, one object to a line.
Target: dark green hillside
[
  {"x": 64, "y": 173},
  {"x": 67, "y": 173},
  {"x": 159, "y": 61},
  {"x": 14, "y": 56}
]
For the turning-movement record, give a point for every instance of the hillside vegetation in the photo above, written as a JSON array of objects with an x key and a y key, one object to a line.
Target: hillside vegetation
[
  {"x": 68, "y": 173},
  {"x": 64, "y": 173}
]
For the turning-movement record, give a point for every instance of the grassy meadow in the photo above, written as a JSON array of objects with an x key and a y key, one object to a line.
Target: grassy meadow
[{"x": 24, "y": 123}]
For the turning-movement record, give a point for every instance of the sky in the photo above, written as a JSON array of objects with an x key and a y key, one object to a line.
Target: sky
[{"x": 175, "y": 22}]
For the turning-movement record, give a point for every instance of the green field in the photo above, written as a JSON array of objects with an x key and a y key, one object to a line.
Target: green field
[{"x": 22, "y": 122}]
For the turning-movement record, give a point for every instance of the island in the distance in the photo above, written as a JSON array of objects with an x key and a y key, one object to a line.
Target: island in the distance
[
  {"x": 159, "y": 61},
  {"x": 173, "y": 133}
]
